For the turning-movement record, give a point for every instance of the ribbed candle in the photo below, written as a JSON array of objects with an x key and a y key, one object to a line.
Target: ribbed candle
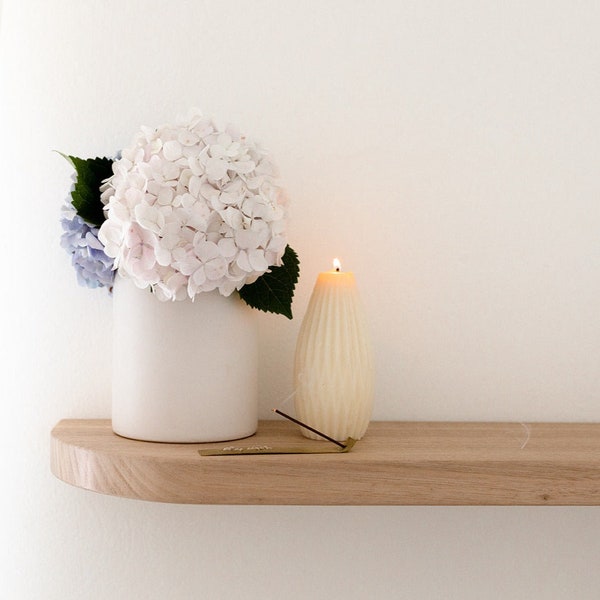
[{"x": 333, "y": 370}]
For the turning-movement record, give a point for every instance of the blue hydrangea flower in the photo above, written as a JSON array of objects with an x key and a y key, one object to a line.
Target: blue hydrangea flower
[{"x": 93, "y": 267}]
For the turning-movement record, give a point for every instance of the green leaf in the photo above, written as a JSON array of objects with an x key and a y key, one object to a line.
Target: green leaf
[
  {"x": 273, "y": 291},
  {"x": 90, "y": 173}
]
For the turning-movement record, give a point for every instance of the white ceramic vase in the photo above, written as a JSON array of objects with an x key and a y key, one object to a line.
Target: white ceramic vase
[{"x": 183, "y": 371}]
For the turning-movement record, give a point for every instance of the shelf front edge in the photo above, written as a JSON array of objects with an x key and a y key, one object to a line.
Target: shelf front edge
[{"x": 397, "y": 463}]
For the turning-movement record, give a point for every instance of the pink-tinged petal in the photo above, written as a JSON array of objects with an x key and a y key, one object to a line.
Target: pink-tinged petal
[
  {"x": 257, "y": 260},
  {"x": 195, "y": 186},
  {"x": 243, "y": 166},
  {"x": 246, "y": 239},
  {"x": 199, "y": 276},
  {"x": 233, "y": 217},
  {"x": 149, "y": 218},
  {"x": 215, "y": 268},
  {"x": 242, "y": 262},
  {"x": 216, "y": 169},
  {"x": 227, "y": 247},
  {"x": 206, "y": 251},
  {"x": 188, "y": 138},
  {"x": 172, "y": 150}
]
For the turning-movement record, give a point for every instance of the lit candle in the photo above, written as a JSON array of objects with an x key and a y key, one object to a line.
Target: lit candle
[{"x": 333, "y": 368}]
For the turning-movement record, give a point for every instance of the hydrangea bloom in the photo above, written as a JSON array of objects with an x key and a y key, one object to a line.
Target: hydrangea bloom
[
  {"x": 191, "y": 208},
  {"x": 93, "y": 267}
]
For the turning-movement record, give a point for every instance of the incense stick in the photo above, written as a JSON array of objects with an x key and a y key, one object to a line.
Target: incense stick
[{"x": 330, "y": 439}]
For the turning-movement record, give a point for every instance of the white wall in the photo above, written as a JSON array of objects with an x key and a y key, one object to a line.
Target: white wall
[{"x": 447, "y": 151}]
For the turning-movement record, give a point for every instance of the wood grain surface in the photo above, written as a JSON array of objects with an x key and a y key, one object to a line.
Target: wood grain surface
[{"x": 396, "y": 463}]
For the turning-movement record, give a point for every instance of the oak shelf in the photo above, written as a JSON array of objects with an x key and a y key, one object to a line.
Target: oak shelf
[{"x": 396, "y": 463}]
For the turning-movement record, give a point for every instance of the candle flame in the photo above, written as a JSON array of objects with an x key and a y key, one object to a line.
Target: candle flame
[{"x": 337, "y": 265}]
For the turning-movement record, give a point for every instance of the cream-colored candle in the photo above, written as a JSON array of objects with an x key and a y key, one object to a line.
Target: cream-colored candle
[{"x": 333, "y": 368}]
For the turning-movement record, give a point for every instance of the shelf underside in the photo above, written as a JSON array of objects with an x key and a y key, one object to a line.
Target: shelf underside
[{"x": 396, "y": 463}]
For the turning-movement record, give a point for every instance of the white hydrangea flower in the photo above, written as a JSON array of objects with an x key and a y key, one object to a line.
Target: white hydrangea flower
[{"x": 192, "y": 208}]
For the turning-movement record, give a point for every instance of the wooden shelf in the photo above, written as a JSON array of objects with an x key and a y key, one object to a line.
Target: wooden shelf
[{"x": 396, "y": 463}]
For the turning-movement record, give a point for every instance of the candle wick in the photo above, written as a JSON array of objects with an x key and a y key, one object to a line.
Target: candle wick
[{"x": 337, "y": 269}]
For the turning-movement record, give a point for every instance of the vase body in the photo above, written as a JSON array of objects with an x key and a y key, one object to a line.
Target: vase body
[
  {"x": 333, "y": 369},
  {"x": 183, "y": 371}
]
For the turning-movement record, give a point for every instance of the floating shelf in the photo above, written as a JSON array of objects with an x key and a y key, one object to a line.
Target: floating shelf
[{"x": 396, "y": 463}]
